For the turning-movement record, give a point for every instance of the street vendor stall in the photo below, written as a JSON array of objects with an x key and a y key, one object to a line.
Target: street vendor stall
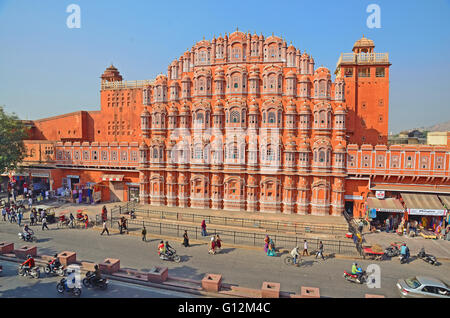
[
  {"x": 381, "y": 209},
  {"x": 427, "y": 210}
]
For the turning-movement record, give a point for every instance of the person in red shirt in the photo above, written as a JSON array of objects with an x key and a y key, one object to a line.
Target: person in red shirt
[{"x": 29, "y": 263}]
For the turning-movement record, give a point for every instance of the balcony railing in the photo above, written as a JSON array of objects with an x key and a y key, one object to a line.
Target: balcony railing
[
  {"x": 370, "y": 58},
  {"x": 126, "y": 84}
]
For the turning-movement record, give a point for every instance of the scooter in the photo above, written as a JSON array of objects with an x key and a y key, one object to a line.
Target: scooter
[
  {"x": 171, "y": 257},
  {"x": 430, "y": 259},
  {"x": 62, "y": 287},
  {"x": 355, "y": 278}
]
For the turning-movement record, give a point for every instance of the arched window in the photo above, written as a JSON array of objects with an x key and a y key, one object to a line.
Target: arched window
[
  {"x": 235, "y": 118},
  {"x": 321, "y": 156},
  {"x": 271, "y": 117},
  {"x": 200, "y": 118}
]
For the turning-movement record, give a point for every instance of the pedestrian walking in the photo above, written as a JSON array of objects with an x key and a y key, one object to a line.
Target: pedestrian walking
[
  {"x": 305, "y": 249},
  {"x": 387, "y": 225},
  {"x": 31, "y": 218},
  {"x": 104, "y": 213},
  {"x": 185, "y": 239},
  {"x": 86, "y": 221},
  {"x": 13, "y": 216},
  {"x": 204, "y": 228},
  {"x": 320, "y": 251},
  {"x": 120, "y": 226},
  {"x": 30, "y": 202},
  {"x": 105, "y": 229},
  {"x": 72, "y": 218},
  {"x": 4, "y": 214},
  {"x": 44, "y": 223},
  {"x": 144, "y": 234},
  {"x": 19, "y": 217}
]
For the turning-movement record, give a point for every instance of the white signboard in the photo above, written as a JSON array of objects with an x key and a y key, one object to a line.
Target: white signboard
[
  {"x": 426, "y": 212},
  {"x": 379, "y": 194},
  {"x": 353, "y": 197}
]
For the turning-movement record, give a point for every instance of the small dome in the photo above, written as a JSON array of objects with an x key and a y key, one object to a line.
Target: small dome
[
  {"x": 340, "y": 148},
  {"x": 145, "y": 113},
  {"x": 304, "y": 147},
  {"x": 340, "y": 109},
  {"x": 363, "y": 42},
  {"x": 291, "y": 48},
  {"x": 305, "y": 108}
]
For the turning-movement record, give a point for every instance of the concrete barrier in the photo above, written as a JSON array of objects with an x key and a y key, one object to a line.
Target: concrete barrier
[
  {"x": 6, "y": 247},
  {"x": 66, "y": 258},
  {"x": 158, "y": 274},
  {"x": 309, "y": 292},
  {"x": 25, "y": 250},
  {"x": 270, "y": 290},
  {"x": 212, "y": 282},
  {"x": 110, "y": 265}
]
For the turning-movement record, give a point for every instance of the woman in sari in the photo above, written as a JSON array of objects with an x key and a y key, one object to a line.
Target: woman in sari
[{"x": 266, "y": 243}]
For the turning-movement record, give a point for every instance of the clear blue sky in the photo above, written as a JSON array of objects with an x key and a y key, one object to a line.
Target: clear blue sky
[{"x": 48, "y": 69}]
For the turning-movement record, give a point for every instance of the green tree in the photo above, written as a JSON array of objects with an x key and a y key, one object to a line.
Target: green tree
[{"x": 12, "y": 148}]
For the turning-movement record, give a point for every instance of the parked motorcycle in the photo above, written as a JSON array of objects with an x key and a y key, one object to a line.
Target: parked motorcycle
[
  {"x": 430, "y": 259},
  {"x": 171, "y": 257},
  {"x": 392, "y": 251},
  {"x": 32, "y": 272},
  {"x": 90, "y": 281},
  {"x": 403, "y": 259},
  {"x": 28, "y": 238},
  {"x": 355, "y": 278},
  {"x": 52, "y": 269},
  {"x": 62, "y": 288}
]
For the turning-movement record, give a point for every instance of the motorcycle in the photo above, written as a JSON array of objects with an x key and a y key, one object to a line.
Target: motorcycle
[
  {"x": 354, "y": 278},
  {"x": 171, "y": 257},
  {"x": 62, "y": 287},
  {"x": 52, "y": 269},
  {"x": 403, "y": 259},
  {"x": 89, "y": 281},
  {"x": 28, "y": 238},
  {"x": 32, "y": 272},
  {"x": 430, "y": 259},
  {"x": 392, "y": 251}
]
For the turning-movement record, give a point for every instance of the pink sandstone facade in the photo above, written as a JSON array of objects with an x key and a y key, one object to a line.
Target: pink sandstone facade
[{"x": 241, "y": 122}]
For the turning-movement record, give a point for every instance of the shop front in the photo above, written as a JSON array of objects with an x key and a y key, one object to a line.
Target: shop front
[
  {"x": 427, "y": 210},
  {"x": 133, "y": 192},
  {"x": 382, "y": 209},
  {"x": 116, "y": 186}
]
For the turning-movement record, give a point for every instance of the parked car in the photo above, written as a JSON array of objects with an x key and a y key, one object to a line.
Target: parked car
[{"x": 423, "y": 287}]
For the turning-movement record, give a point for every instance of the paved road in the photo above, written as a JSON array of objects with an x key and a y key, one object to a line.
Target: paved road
[
  {"x": 243, "y": 267},
  {"x": 12, "y": 285}
]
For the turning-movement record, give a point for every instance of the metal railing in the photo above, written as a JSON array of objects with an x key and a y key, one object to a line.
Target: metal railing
[
  {"x": 239, "y": 237},
  {"x": 287, "y": 226}
]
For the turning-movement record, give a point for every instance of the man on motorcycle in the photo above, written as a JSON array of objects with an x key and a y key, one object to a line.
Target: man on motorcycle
[
  {"x": 97, "y": 274},
  {"x": 169, "y": 249},
  {"x": 28, "y": 264},
  {"x": 295, "y": 254},
  {"x": 27, "y": 232},
  {"x": 356, "y": 270},
  {"x": 55, "y": 263}
]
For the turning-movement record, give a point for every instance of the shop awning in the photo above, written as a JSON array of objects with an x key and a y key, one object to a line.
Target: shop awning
[
  {"x": 410, "y": 188},
  {"x": 112, "y": 177},
  {"x": 446, "y": 200},
  {"x": 385, "y": 205},
  {"x": 423, "y": 204}
]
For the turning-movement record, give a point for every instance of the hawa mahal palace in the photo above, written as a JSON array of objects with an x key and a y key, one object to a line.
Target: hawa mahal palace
[{"x": 243, "y": 122}]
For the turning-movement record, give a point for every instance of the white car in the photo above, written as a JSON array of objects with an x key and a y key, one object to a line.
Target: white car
[{"x": 423, "y": 287}]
